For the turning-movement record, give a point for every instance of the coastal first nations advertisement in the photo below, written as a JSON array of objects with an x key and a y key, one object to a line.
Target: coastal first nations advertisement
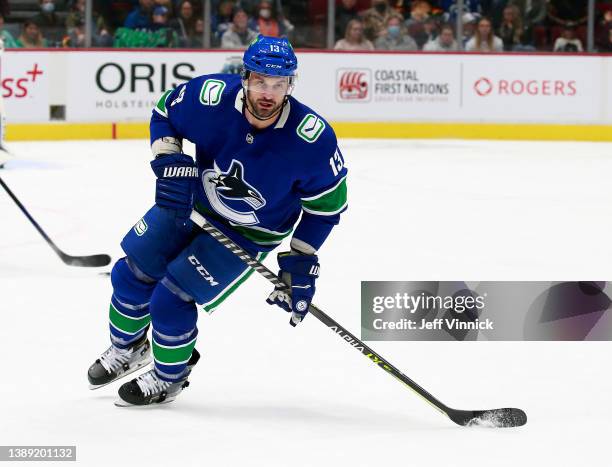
[{"x": 122, "y": 86}]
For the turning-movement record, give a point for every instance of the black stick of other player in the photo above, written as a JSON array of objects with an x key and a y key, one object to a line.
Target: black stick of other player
[
  {"x": 83, "y": 261},
  {"x": 498, "y": 418}
]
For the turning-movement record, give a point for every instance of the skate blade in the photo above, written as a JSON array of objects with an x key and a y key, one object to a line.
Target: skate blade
[
  {"x": 143, "y": 363},
  {"x": 121, "y": 403}
]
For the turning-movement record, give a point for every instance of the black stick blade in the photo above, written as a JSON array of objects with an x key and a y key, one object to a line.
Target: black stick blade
[
  {"x": 93, "y": 261},
  {"x": 496, "y": 418}
]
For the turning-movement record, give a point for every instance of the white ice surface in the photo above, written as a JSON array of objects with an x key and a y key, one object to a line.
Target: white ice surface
[{"x": 265, "y": 394}]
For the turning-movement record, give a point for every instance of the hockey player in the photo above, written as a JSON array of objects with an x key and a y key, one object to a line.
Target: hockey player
[{"x": 264, "y": 162}]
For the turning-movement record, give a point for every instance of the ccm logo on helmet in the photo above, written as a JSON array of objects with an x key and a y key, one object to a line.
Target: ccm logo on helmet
[{"x": 272, "y": 65}]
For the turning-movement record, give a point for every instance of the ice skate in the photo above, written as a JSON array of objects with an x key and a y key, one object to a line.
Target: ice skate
[
  {"x": 148, "y": 388},
  {"x": 116, "y": 363}
]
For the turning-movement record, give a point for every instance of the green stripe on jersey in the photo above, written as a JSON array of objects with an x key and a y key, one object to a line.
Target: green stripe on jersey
[
  {"x": 230, "y": 289},
  {"x": 126, "y": 323},
  {"x": 329, "y": 202},
  {"x": 259, "y": 236},
  {"x": 172, "y": 355},
  {"x": 161, "y": 104}
]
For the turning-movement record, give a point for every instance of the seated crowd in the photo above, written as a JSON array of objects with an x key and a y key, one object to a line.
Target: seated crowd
[
  {"x": 488, "y": 25},
  {"x": 400, "y": 25}
]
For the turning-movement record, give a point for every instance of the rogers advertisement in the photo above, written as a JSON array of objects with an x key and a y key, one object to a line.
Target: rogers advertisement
[
  {"x": 123, "y": 85},
  {"x": 532, "y": 89}
]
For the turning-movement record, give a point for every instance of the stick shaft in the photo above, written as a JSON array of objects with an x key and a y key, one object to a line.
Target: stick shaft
[
  {"x": 82, "y": 261},
  {"x": 340, "y": 331},
  {"x": 30, "y": 218}
]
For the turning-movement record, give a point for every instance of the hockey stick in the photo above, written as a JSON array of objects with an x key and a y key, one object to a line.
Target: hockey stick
[
  {"x": 501, "y": 418},
  {"x": 92, "y": 261}
]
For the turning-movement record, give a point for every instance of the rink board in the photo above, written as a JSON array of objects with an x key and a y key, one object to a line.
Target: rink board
[
  {"x": 526, "y": 132},
  {"x": 391, "y": 95}
]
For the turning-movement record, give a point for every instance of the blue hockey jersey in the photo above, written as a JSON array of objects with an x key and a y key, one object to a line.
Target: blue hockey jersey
[{"x": 255, "y": 184}]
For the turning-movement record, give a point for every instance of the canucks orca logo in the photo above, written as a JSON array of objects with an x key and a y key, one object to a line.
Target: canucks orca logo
[{"x": 231, "y": 185}]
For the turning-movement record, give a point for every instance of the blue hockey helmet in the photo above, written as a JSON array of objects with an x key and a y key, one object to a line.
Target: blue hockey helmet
[{"x": 270, "y": 56}]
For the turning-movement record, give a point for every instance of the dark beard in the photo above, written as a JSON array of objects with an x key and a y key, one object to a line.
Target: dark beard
[{"x": 252, "y": 109}]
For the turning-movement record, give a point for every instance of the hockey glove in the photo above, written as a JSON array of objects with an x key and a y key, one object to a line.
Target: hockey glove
[
  {"x": 299, "y": 272},
  {"x": 176, "y": 180}
]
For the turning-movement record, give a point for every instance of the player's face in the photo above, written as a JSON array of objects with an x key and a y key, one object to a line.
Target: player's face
[{"x": 266, "y": 93}]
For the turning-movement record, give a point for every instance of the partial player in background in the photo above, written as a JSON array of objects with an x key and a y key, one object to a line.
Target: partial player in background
[
  {"x": 266, "y": 167},
  {"x": 4, "y": 156}
]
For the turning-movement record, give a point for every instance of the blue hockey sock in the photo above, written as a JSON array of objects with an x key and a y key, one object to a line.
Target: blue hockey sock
[
  {"x": 129, "y": 308},
  {"x": 174, "y": 330}
]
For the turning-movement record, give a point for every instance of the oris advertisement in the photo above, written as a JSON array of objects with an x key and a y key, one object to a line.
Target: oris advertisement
[
  {"x": 123, "y": 85},
  {"x": 126, "y": 86}
]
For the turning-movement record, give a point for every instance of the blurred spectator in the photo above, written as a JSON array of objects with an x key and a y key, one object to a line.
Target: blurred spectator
[
  {"x": 568, "y": 42},
  {"x": 533, "y": 14},
  {"x": 567, "y": 12},
  {"x": 222, "y": 19},
  {"x": 607, "y": 46},
  {"x": 238, "y": 36},
  {"x": 8, "y": 41},
  {"x": 197, "y": 41},
  {"x": 161, "y": 26},
  {"x": 470, "y": 23},
  {"x": 431, "y": 31},
  {"x": 395, "y": 37},
  {"x": 419, "y": 12},
  {"x": 5, "y": 8},
  {"x": 354, "y": 38},
  {"x": 76, "y": 35},
  {"x": 450, "y": 9},
  {"x": 233, "y": 65},
  {"x": 420, "y": 25},
  {"x": 49, "y": 22},
  {"x": 602, "y": 32},
  {"x": 250, "y": 6},
  {"x": 266, "y": 22},
  {"x": 160, "y": 17},
  {"x": 157, "y": 34},
  {"x": 445, "y": 42},
  {"x": 76, "y": 20},
  {"x": 606, "y": 21},
  {"x": 428, "y": 32},
  {"x": 184, "y": 24},
  {"x": 399, "y": 7},
  {"x": 140, "y": 17},
  {"x": 114, "y": 12},
  {"x": 31, "y": 37},
  {"x": 493, "y": 9},
  {"x": 484, "y": 40},
  {"x": 168, "y": 4},
  {"x": 511, "y": 30},
  {"x": 345, "y": 12},
  {"x": 375, "y": 18}
]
